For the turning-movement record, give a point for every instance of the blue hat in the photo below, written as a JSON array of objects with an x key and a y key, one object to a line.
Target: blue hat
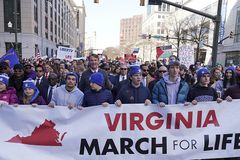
[
  {"x": 4, "y": 79},
  {"x": 232, "y": 68},
  {"x": 134, "y": 70},
  {"x": 201, "y": 72},
  {"x": 72, "y": 74},
  {"x": 97, "y": 78},
  {"x": 29, "y": 83}
]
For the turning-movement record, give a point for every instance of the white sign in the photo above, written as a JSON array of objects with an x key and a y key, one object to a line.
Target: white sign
[
  {"x": 65, "y": 53},
  {"x": 133, "y": 131},
  {"x": 186, "y": 55}
]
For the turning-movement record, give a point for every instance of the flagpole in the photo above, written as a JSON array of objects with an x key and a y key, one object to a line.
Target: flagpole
[{"x": 15, "y": 26}]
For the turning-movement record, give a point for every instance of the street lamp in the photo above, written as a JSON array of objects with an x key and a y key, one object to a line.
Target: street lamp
[{"x": 9, "y": 24}]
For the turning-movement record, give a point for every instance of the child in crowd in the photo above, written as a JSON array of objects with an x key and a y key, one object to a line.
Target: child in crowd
[
  {"x": 31, "y": 94},
  {"x": 7, "y": 94},
  {"x": 97, "y": 95}
]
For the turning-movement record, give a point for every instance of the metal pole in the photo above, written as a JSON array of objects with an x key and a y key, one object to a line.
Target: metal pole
[
  {"x": 15, "y": 25},
  {"x": 216, "y": 34}
]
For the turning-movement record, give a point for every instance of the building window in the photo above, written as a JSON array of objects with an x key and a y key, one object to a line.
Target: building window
[
  {"x": 158, "y": 31},
  {"x": 46, "y": 35},
  {"x": 55, "y": 29},
  {"x": 162, "y": 31},
  {"x": 55, "y": 16},
  {"x": 237, "y": 30},
  {"x": 46, "y": 6},
  {"x": 9, "y": 16},
  {"x": 47, "y": 51},
  {"x": 51, "y": 26},
  {"x": 36, "y": 12},
  {"x": 36, "y": 29},
  {"x": 158, "y": 24},
  {"x": 51, "y": 12},
  {"x": 46, "y": 22},
  {"x": 168, "y": 7}
]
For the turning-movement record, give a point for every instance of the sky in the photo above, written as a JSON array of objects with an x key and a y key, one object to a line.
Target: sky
[{"x": 104, "y": 18}]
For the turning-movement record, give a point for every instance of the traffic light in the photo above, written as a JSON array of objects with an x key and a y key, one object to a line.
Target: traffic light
[
  {"x": 149, "y": 36},
  {"x": 96, "y": 1},
  {"x": 154, "y": 2},
  {"x": 231, "y": 34},
  {"x": 142, "y": 2}
]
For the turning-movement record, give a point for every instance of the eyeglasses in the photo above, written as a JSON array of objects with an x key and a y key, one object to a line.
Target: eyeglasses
[
  {"x": 162, "y": 71},
  {"x": 123, "y": 68},
  {"x": 4, "y": 68},
  {"x": 39, "y": 70}
]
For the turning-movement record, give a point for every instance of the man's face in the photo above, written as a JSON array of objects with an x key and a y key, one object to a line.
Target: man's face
[
  {"x": 136, "y": 79},
  {"x": 174, "y": 71},
  {"x": 205, "y": 79},
  {"x": 28, "y": 68},
  {"x": 39, "y": 71},
  {"x": 123, "y": 70},
  {"x": 71, "y": 81},
  {"x": 144, "y": 71},
  {"x": 47, "y": 68},
  {"x": 18, "y": 72},
  {"x": 52, "y": 80},
  {"x": 93, "y": 62},
  {"x": 161, "y": 71}
]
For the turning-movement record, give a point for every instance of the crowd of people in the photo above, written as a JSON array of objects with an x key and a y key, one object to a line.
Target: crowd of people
[{"x": 91, "y": 82}]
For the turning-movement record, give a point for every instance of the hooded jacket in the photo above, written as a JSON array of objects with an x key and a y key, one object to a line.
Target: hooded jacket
[
  {"x": 162, "y": 89},
  {"x": 62, "y": 97}
]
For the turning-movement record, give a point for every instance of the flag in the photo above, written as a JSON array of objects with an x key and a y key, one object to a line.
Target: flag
[
  {"x": 159, "y": 52},
  {"x": 135, "y": 50},
  {"x": 37, "y": 55},
  {"x": 10, "y": 57}
]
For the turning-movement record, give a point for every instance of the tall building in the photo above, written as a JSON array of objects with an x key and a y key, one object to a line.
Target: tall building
[
  {"x": 130, "y": 30},
  {"x": 154, "y": 24},
  {"x": 42, "y": 25}
]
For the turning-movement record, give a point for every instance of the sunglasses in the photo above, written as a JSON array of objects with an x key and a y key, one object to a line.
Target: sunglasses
[
  {"x": 123, "y": 68},
  {"x": 145, "y": 70},
  {"x": 39, "y": 70},
  {"x": 162, "y": 71},
  {"x": 107, "y": 68}
]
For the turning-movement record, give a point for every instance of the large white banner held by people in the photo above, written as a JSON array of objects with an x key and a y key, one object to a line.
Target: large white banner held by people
[{"x": 132, "y": 131}]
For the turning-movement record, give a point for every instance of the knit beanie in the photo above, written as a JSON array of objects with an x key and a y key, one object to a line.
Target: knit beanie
[
  {"x": 134, "y": 70},
  {"x": 201, "y": 72},
  {"x": 4, "y": 79},
  {"x": 72, "y": 74},
  {"x": 97, "y": 78},
  {"x": 232, "y": 68},
  {"x": 29, "y": 83}
]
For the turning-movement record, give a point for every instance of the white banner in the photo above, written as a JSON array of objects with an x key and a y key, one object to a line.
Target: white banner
[
  {"x": 65, "y": 53},
  {"x": 134, "y": 131}
]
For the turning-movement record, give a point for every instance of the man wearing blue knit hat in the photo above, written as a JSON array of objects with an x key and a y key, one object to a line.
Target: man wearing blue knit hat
[
  {"x": 134, "y": 92},
  {"x": 97, "y": 95},
  {"x": 202, "y": 92},
  {"x": 68, "y": 94}
]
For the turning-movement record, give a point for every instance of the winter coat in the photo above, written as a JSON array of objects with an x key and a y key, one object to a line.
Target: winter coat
[
  {"x": 9, "y": 95},
  {"x": 160, "y": 93},
  {"x": 62, "y": 97},
  {"x": 93, "y": 98}
]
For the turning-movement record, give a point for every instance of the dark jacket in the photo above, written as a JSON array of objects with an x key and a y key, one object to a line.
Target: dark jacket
[
  {"x": 9, "y": 96},
  {"x": 43, "y": 87},
  {"x": 130, "y": 94},
  {"x": 233, "y": 91},
  {"x": 38, "y": 100},
  {"x": 202, "y": 94},
  {"x": 94, "y": 98},
  {"x": 17, "y": 82},
  {"x": 84, "y": 84}
]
